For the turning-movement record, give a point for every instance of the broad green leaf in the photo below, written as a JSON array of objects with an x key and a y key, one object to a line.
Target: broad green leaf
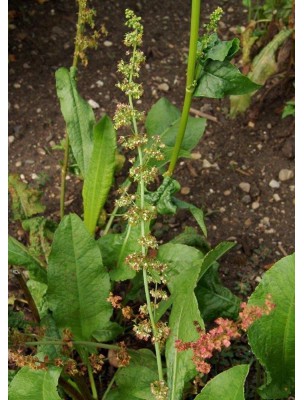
[
  {"x": 134, "y": 380},
  {"x": 183, "y": 270},
  {"x": 38, "y": 291},
  {"x": 214, "y": 299},
  {"x": 115, "y": 248},
  {"x": 289, "y": 109},
  {"x": 99, "y": 177},
  {"x": 214, "y": 254},
  {"x": 108, "y": 332},
  {"x": 197, "y": 213},
  {"x": 228, "y": 385},
  {"x": 191, "y": 238},
  {"x": 220, "y": 79},
  {"x": 272, "y": 337},
  {"x": 29, "y": 384},
  {"x": 52, "y": 333},
  {"x": 264, "y": 65},
  {"x": 78, "y": 284},
  {"x": 223, "y": 50},
  {"x": 163, "y": 119},
  {"x": 162, "y": 197},
  {"x": 78, "y": 116},
  {"x": 19, "y": 255},
  {"x": 25, "y": 200}
]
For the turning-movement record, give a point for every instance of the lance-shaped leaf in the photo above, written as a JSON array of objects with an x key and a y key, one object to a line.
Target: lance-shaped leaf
[
  {"x": 184, "y": 267},
  {"x": 133, "y": 382},
  {"x": 25, "y": 200},
  {"x": 228, "y": 385},
  {"x": 99, "y": 177},
  {"x": 163, "y": 119},
  {"x": 78, "y": 284},
  {"x": 19, "y": 255},
  {"x": 220, "y": 79},
  {"x": 272, "y": 337},
  {"x": 29, "y": 384},
  {"x": 197, "y": 213},
  {"x": 78, "y": 116},
  {"x": 214, "y": 254}
]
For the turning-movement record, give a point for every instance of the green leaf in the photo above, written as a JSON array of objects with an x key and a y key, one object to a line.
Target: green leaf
[
  {"x": 19, "y": 255},
  {"x": 228, "y": 385},
  {"x": 197, "y": 213},
  {"x": 38, "y": 291},
  {"x": 163, "y": 119},
  {"x": 99, "y": 177},
  {"x": 25, "y": 200},
  {"x": 191, "y": 238},
  {"x": 78, "y": 284},
  {"x": 272, "y": 337},
  {"x": 108, "y": 332},
  {"x": 214, "y": 254},
  {"x": 264, "y": 65},
  {"x": 78, "y": 116},
  {"x": 134, "y": 380},
  {"x": 184, "y": 267},
  {"x": 223, "y": 50},
  {"x": 52, "y": 333},
  {"x": 162, "y": 197},
  {"x": 214, "y": 299},
  {"x": 29, "y": 384},
  {"x": 220, "y": 79},
  {"x": 289, "y": 109}
]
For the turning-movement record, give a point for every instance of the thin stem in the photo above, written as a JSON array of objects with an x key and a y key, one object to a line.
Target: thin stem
[
  {"x": 92, "y": 382},
  {"x": 124, "y": 245},
  {"x": 190, "y": 83},
  {"x": 70, "y": 390},
  {"x": 109, "y": 387}
]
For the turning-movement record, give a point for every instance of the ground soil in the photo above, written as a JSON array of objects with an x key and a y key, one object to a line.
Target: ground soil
[{"x": 252, "y": 148}]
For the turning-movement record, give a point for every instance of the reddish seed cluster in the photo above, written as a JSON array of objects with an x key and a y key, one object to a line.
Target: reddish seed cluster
[
  {"x": 220, "y": 337},
  {"x": 114, "y": 300}
]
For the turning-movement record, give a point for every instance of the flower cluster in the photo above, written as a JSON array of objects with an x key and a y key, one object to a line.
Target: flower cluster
[
  {"x": 210, "y": 28},
  {"x": 160, "y": 390},
  {"x": 114, "y": 300},
  {"x": 220, "y": 337},
  {"x": 96, "y": 361}
]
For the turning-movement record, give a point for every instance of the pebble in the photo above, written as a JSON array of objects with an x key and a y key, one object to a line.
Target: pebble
[
  {"x": 196, "y": 156},
  {"x": 207, "y": 164},
  {"x": 246, "y": 199},
  {"x": 11, "y": 139},
  {"x": 227, "y": 192},
  {"x": 222, "y": 209},
  {"x": 164, "y": 87},
  {"x": 254, "y": 190},
  {"x": 34, "y": 176},
  {"x": 274, "y": 184},
  {"x": 185, "y": 190},
  {"x": 66, "y": 46},
  {"x": 38, "y": 111},
  {"x": 260, "y": 146},
  {"x": 276, "y": 197},
  {"x": 230, "y": 9},
  {"x": 99, "y": 84},
  {"x": 285, "y": 175},
  {"x": 258, "y": 279},
  {"x": 269, "y": 126},
  {"x": 26, "y": 66},
  {"x": 18, "y": 164},
  {"x": 255, "y": 205},
  {"x": 41, "y": 151},
  {"x": 22, "y": 176},
  {"x": 251, "y": 124},
  {"x": 248, "y": 222},
  {"x": 29, "y": 162},
  {"x": 52, "y": 143},
  {"x": 265, "y": 221},
  {"x": 245, "y": 187},
  {"x": 93, "y": 104},
  {"x": 17, "y": 85},
  {"x": 107, "y": 43}
]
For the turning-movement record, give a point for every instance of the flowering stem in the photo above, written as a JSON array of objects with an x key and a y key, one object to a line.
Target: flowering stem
[
  {"x": 190, "y": 83},
  {"x": 92, "y": 382}
]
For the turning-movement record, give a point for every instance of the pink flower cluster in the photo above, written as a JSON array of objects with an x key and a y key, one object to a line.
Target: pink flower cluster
[{"x": 221, "y": 336}]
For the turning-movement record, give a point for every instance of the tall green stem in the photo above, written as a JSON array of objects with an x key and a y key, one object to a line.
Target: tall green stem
[
  {"x": 190, "y": 83},
  {"x": 92, "y": 382}
]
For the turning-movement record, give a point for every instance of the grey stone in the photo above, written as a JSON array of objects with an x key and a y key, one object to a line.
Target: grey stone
[
  {"x": 245, "y": 187},
  {"x": 164, "y": 87},
  {"x": 246, "y": 199},
  {"x": 274, "y": 184}
]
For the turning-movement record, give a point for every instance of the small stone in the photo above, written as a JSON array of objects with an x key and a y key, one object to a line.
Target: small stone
[
  {"x": 248, "y": 222},
  {"x": 26, "y": 66},
  {"x": 206, "y": 164},
  {"x": 260, "y": 146},
  {"x": 251, "y": 124},
  {"x": 99, "y": 84},
  {"x": 254, "y": 190},
  {"x": 258, "y": 279},
  {"x": 52, "y": 143},
  {"x": 196, "y": 156},
  {"x": 29, "y": 162},
  {"x": 276, "y": 197},
  {"x": 38, "y": 111},
  {"x": 41, "y": 151},
  {"x": 185, "y": 190},
  {"x": 274, "y": 184},
  {"x": 22, "y": 176},
  {"x": 222, "y": 209},
  {"x": 265, "y": 221},
  {"x": 34, "y": 176},
  {"x": 67, "y": 178},
  {"x": 66, "y": 46},
  {"x": 246, "y": 199},
  {"x": 18, "y": 164},
  {"x": 164, "y": 87},
  {"x": 227, "y": 192},
  {"x": 255, "y": 205},
  {"x": 107, "y": 43},
  {"x": 11, "y": 139},
  {"x": 17, "y": 85},
  {"x": 269, "y": 126},
  {"x": 292, "y": 188},
  {"x": 93, "y": 104},
  {"x": 245, "y": 187},
  {"x": 230, "y": 9},
  {"x": 285, "y": 175}
]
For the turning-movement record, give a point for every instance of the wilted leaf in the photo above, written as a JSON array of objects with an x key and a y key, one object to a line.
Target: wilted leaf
[{"x": 25, "y": 200}]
